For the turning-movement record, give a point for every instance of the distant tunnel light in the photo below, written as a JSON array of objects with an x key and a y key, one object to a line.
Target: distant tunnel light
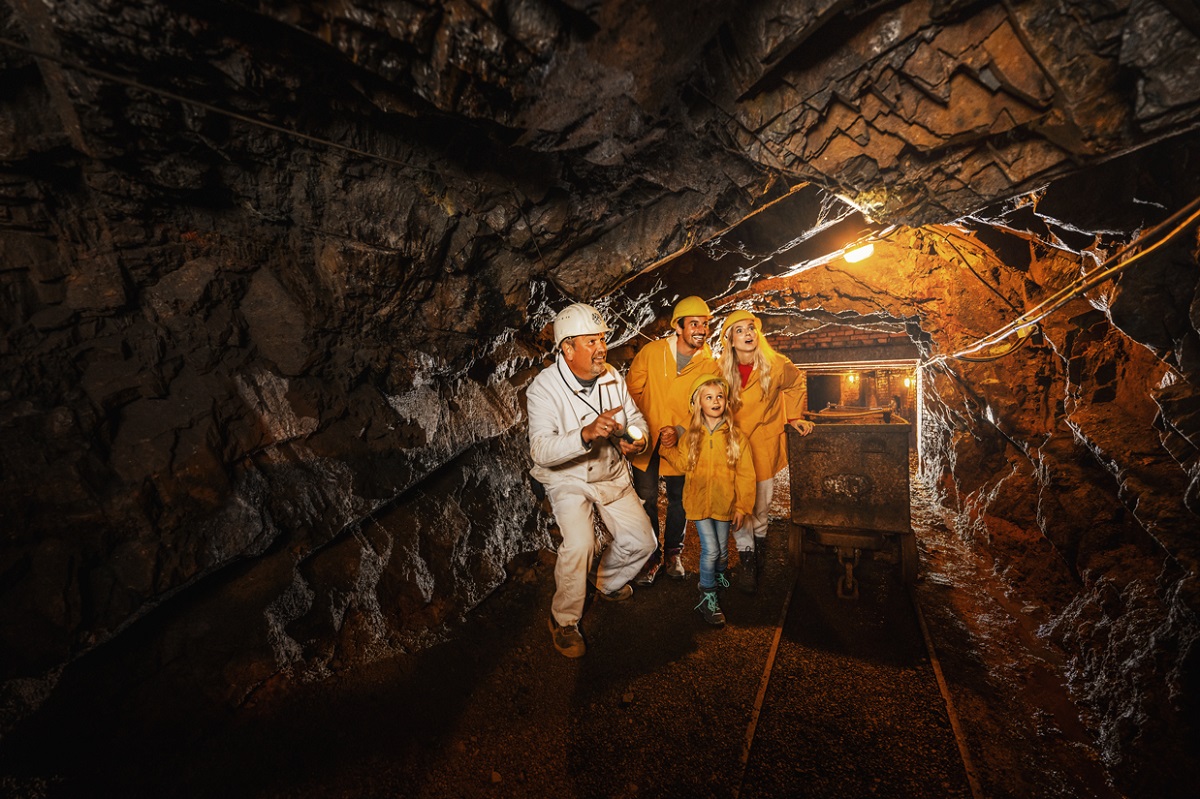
[{"x": 860, "y": 253}]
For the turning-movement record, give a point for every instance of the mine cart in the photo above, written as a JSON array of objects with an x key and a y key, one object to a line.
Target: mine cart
[{"x": 850, "y": 484}]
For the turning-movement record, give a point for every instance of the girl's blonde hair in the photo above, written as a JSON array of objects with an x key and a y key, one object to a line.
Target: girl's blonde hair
[
  {"x": 764, "y": 355},
  {"x": 697, "y": 430}
]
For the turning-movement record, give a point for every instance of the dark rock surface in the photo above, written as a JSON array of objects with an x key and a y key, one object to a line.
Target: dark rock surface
[{"x": 273, "y": 278}]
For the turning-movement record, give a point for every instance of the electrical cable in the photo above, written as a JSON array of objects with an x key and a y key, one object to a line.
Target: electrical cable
[
  {"x": 250, "y": 120},
  {"x": 1086, "y": 283},
  {"x": 966, "y": 263},
  {"x": 114, "y": 78},
  {"x": 1021, "y": 342}
]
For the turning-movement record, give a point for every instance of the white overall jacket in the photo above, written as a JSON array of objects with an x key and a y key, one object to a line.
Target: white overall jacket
[{"x": 558, "y": 410}]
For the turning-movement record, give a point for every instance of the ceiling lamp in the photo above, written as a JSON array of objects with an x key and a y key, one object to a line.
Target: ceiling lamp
[{"x": 860, "y": 253}]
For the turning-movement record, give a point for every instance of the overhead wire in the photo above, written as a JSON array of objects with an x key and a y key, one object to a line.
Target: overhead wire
[
  {"x": 1079, "y": 287},
  {"x": 286, "y": 131},
  {"x": 1021, "y": 342},
  {"x": 967, "y": 264},
  {"x": 250, "y": 120}
]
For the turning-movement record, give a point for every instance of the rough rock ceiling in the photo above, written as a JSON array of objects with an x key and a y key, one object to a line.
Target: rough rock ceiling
[{"x": 595, "y": 139}]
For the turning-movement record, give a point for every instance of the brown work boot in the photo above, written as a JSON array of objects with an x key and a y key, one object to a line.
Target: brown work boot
[
  {"x": 567, "y": 640},
  {"x": 620, "y": 595},
  {"x": 652, "y": 570}
]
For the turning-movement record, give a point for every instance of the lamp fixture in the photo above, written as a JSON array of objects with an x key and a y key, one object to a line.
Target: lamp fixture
[{"x": 860, "y": 253}]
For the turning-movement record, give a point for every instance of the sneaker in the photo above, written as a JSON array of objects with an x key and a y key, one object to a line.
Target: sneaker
[
  {"x": 748, "y": 573},
  {"x": 567, "y": 640},
  {"x": 722, "y": 581},
  {"x": 650, "y": 573},
  {"x": 675, "y": 567},
  {"x": 620, "y": 595},
  {"x": 710, "y": 610}
]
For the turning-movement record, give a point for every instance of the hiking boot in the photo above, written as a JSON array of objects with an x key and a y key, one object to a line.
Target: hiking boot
[
  {"x": 709, "y": 608},
  {"x": 620, "y": 595},
  {"x": 722, "y": 582},
  {"x": 651, "y": 572},
  {"x": 675, "y": 567},
  {"x": 748, "y": 574},
  {"x": 567, "y": 640}
]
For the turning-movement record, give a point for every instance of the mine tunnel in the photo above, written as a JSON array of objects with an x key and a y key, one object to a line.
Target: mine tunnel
[{"x": 277, "y": 277}]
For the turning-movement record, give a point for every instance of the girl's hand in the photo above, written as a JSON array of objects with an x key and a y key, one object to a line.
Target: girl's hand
[
  {"x": 738, "y": 518},
  {"x": 667, "y": 437}
]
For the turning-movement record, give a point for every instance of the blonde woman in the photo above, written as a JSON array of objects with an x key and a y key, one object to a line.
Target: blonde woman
[
  {"x": 766, "y": 393},
  {"x": 719, "y": 490}
]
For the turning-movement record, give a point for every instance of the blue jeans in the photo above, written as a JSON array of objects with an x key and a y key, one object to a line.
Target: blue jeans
[
  {"x": 646, "y": 485},
  {"x": 714, "y": 550}
]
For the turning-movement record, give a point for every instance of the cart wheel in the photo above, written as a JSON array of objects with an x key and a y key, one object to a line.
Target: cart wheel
[
  {"x": 908, "y": 559},
  {"x": 796, "y": 546}
]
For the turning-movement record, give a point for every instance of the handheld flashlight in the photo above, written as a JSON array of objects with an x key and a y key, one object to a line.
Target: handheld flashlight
[{"x": 632, "y": 434}]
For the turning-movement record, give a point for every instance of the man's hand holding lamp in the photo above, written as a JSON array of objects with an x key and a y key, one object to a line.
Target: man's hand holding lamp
[{"x": 633, "y": 440}]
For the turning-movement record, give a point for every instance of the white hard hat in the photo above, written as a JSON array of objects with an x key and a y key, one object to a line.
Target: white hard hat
[{"x": 579, "y": 319}]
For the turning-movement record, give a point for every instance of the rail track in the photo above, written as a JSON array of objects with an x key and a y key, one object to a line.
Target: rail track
[{"x": 811, "y": 731}]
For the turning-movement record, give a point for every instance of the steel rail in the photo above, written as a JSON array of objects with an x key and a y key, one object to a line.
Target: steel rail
[
  {"x": 943, "y": 687},
  {"x": 959, "y": 738},
  {"x": 748, "y": 742}
]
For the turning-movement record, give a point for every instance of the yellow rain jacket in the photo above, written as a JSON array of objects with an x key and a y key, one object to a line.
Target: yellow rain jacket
[
  {"x": 713, "y": 490},
  {"x": 662, "y": 394},
  {"x": 765, "y": 424}
]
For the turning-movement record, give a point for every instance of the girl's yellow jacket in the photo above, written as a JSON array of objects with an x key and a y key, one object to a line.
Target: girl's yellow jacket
[
  {"x": 763, "y": 422},
  {"x": 713, "y": 490}
]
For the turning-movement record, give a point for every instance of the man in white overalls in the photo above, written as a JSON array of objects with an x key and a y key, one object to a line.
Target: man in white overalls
[{"x": 579, "y": 407}]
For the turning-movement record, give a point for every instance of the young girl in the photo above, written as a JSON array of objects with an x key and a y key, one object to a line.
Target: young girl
[{"x": 718, "y": 489}]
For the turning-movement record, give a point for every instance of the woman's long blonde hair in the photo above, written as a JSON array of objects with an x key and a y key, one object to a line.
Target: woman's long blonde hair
[
  {"x": 764, "y": 355},
  {"x": 697, "y": 430}
]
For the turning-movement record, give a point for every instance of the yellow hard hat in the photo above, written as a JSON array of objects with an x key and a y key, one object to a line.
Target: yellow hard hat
[
  {"x": 704, "y": 380},
  {"x": 740, "y": 316},
  {"x": 689, "y": 306}
]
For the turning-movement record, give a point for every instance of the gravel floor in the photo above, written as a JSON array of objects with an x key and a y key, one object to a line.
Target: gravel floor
[{"x": 659, "y": 707}]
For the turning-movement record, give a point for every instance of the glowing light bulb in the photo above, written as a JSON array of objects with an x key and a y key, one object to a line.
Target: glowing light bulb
[
  {"x": 908, "y": 382},
  {"x": 860, "y": 253}
]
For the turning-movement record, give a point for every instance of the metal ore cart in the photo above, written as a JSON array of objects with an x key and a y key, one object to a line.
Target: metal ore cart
[{"x": 850, "y": 493}]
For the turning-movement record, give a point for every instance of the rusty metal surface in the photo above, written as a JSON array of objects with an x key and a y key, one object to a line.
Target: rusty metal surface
[{"x": 851, "y": 476}]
